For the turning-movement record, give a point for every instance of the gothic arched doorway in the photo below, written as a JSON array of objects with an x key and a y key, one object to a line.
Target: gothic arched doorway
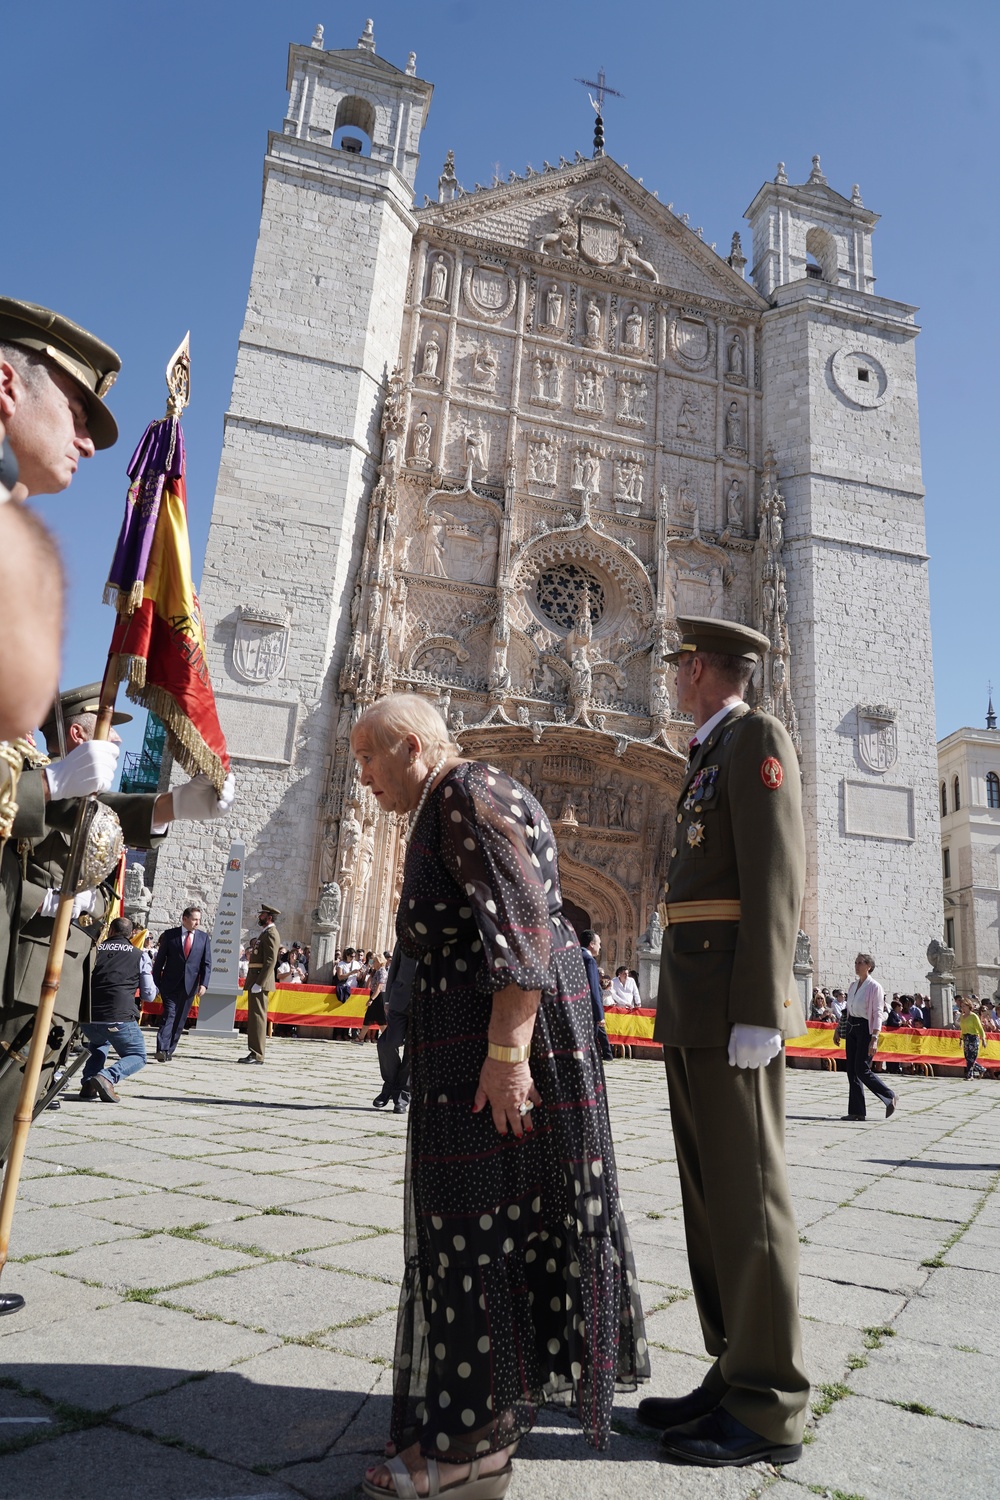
[{"x": 578, "y": 917}]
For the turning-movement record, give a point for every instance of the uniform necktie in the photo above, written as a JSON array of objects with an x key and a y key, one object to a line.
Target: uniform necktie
[
  {"x": 188, "y": 940},
  {"x": 692, "y": 745}
]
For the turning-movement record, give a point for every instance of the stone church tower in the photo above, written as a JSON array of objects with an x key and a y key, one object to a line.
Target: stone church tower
[{"x": 490, "y": 449}]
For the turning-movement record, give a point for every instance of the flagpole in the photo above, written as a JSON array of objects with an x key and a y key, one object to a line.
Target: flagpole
[{"x": 179, "y": 385}]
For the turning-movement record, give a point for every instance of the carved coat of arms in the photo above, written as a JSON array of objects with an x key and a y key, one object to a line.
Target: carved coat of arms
[
  {"x": 601, "y": 227},
  {"x": 877, "y": 744},
  {"x": 260, "y": 648}
]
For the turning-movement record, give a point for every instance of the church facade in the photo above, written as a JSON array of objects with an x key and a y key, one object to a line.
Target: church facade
[{"x": 490, "y": 449}]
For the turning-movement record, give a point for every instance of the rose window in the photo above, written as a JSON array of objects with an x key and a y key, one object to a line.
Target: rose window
[{"x": 562, "y": 591}]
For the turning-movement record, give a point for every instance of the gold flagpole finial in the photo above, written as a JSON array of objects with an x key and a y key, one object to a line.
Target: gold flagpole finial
[{"x": 179, "y": 377}]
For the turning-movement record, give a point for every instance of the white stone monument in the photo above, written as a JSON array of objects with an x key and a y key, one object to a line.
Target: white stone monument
[{"x": 217, "y": 1006}]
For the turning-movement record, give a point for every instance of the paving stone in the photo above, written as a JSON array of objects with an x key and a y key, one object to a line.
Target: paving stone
[
  {"x": 854, "y": 1306},
  {"x": 859, "y": 1268},
  {"x": 284, "y": 1406},
  {"x": 160, "y": 1210},
  {"x": 128, "y": 1352},
  {"x": 826, "y": 1349},
  {"x": 926, "y": 1200},
  {"x": 49, "y": 1231},
  {"x": 900, "y": 1236},
  {"x": 871, "y": 1449},
  {"x": 286, "y": 1297},
  {"x": 952, "y": 1382},
  {"x": 49, "y": 1298},
  {"x": 115, "y": 1465},
  {"x": 374, "y": 1339},
  {"x": 258, "y": 1191},
  {"x": 379, "y": 1257},
  {"x": 282, "y": 1234},
  {"x": 160, "y": 1261},
  {"x": 56, "y": 1192},
  {"x": 363, "y": 1208}
]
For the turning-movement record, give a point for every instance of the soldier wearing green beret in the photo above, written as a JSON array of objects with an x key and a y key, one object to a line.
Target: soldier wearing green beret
[{"x": 730, "y": 914}]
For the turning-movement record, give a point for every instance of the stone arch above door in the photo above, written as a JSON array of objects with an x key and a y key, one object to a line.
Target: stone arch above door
[{"x": 612, "y": 914}]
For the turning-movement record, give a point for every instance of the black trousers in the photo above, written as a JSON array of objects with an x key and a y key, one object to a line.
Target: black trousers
[
  {"x": 394, "y": 1057},
  {"x": 859, "y": 1069}
]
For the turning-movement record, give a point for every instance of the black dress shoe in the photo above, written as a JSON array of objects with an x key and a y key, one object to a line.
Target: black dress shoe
[
  {"x": 161, "y": 1056},
  {"x": 890, "y": 1108},
  {"x": 400, "y": 1107},
  {"x": 859, "y": 1119},
  {"x": 253, "y": 1060},
  {"x": 719, "y": 1441},
  {"x": 381, "y": 1100},
  {"x": 671, "y": 1411},
  {"x": 10, "y": 1302}
]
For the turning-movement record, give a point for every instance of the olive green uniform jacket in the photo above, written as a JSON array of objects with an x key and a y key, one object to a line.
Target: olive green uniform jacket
[
  {"x": 40, "y": 842},
  {"x": 738, "y": 835}
]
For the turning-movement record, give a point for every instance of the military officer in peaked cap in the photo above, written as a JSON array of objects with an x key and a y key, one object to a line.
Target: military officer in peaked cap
[
  {"x": 260, "y": 981},
  {"x": 730, "y": 915}
]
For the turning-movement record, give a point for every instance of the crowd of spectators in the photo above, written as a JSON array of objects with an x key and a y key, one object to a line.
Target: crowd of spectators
[{"x": 972, "y": 1017}]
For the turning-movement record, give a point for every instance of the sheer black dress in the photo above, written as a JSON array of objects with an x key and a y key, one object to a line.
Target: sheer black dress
[{"x": 519, "y": 1289}]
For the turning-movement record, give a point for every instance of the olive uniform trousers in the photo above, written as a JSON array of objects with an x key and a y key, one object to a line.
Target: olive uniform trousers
[{"x": 729, "y": 1130}]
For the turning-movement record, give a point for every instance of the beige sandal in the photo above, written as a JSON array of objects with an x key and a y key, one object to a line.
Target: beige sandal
[{"x": 476, "y": 1487}]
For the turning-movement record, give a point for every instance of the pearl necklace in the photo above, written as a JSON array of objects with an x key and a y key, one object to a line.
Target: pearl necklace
[{"x": 425, "y": 794}]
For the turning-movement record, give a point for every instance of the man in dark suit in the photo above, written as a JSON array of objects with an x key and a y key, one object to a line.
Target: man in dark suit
[{"x": 181, "y": 969}]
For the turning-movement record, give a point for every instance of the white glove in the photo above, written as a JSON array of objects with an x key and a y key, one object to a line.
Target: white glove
[
  {"x": 89, "y": 768},
  {"x": 752, "y": 1046},
  {"x": 85, "y": 901},
  {"x": 255, "y": 989},
  {"x": 197, "y": 800}
]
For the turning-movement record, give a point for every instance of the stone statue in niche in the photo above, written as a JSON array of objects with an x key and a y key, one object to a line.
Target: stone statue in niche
[
  {"x": 350, "y": 837},
  {"x": 687, "y": 418},
  {"x": 403, "y": 553},
  {"x": 537, "y": 380},
  {"x": 715, "y": 587},
  {"x": 582, "y": 681},
  {"x": 593, "y": 321},
  {"x": 734, "y": 427},
  {"x": 477, "y": 449},
  {"x": 499, "y": 678},
  {"x": 553, "y": 306},
  {"x": 422, "y": 440},
  {"x": 484, "y": 367},
  {"x": 631, "y": 402},
  {"x": 616, "y": 803},
  {"x": 591, "y": 473},
  {"x": 633, "y": 329},
  {"x": 487, "y": 557},
  {"x": 734, "y": 504},
  {"x": 434, "y": 547},
  {"x": 432, "y": 356},
  {"x": 439, "y": 279},
  {"x": 737, "y": 360},
  {"x": 589, "y": 391}
]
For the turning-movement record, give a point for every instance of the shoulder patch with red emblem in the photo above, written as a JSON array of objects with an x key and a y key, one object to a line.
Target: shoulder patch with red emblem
[{"x": 771, "y": 773}]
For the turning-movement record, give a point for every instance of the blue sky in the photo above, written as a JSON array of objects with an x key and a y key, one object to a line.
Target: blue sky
[{"x": 135, "y": 137}]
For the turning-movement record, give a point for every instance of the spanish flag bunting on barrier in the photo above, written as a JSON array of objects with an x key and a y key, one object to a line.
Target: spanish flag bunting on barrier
[{"x": 159, "y": 638}]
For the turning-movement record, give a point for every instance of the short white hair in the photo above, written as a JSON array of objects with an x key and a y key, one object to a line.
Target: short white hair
[{"x": 392, "y": 718}]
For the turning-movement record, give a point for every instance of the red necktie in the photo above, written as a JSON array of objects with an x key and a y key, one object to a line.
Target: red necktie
[
  {"x": 188, "y": 940},
  {"x": 692, "y": 745}
]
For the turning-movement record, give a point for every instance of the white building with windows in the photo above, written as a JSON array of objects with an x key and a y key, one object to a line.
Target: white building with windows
[{"x": 969, "y": 794}]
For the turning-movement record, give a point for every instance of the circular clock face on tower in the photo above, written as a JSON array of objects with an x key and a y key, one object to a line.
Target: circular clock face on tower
[{"x": 859, "y": 377}]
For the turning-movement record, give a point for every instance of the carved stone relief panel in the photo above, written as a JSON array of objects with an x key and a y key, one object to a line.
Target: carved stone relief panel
[
  {"x": 630, "y": 403},
  {"x": 483, "y": 365},
  {"x": 476, "y": 440},
  {"x": 459, "y": 539},
  {"x": 545, "y": 385},
  {"x": 688, "y": 421},
  {"x": 628, "y": 482},
  {"x": 542, "y": 461},
  {"x": 490, "y": 292},
  {"x": 691, "y": 339},
  {"x": 590, "y": 378}
]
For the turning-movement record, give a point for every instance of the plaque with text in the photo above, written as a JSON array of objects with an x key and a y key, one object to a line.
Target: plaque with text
[{"x": 217, "y": 1007}]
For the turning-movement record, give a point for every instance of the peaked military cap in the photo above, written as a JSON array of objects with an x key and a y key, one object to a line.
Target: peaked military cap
[
  {"x": 91, "y": 364},
  {"x": 75, "y": 701},
  {"x": 698, "y": 633},
  {"x": 272, "y": 911}
]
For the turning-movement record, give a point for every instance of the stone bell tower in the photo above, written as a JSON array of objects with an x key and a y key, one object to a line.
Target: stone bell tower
[
  {"x": 301, "y": 444},
  {"x": 840, "y": 415}
]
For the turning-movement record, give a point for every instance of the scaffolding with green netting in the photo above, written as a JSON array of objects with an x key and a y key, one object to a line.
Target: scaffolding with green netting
[{"x": 142, "y": 770}]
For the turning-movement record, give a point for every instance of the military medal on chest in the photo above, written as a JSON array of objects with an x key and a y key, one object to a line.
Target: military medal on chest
[
  {"x": 696, "y": 834},
  {"x": 703, "y": 788}
]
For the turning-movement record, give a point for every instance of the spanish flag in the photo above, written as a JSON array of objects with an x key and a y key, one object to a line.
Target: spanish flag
[{"x": 158, "y": 646}]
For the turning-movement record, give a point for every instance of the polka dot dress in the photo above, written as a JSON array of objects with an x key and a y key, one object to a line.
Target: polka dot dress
[{"x": 520, "y": 1287}]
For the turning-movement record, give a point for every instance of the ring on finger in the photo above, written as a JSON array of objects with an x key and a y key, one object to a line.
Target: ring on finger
[{"x": 525, "y": 1108}]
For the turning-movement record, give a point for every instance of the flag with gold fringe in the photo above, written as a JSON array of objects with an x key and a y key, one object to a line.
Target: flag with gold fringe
[{"x": 159, "y": 639}]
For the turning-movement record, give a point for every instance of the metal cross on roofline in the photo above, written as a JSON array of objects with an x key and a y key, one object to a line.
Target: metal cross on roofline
[{"x": 602, "y": 90}]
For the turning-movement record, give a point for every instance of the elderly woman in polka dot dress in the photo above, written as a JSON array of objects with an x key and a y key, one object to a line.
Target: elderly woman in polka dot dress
[{"x": 519, "y": 1288}]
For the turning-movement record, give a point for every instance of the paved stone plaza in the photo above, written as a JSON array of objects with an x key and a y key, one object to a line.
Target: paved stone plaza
[{"x": 211, "y": 1273}]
